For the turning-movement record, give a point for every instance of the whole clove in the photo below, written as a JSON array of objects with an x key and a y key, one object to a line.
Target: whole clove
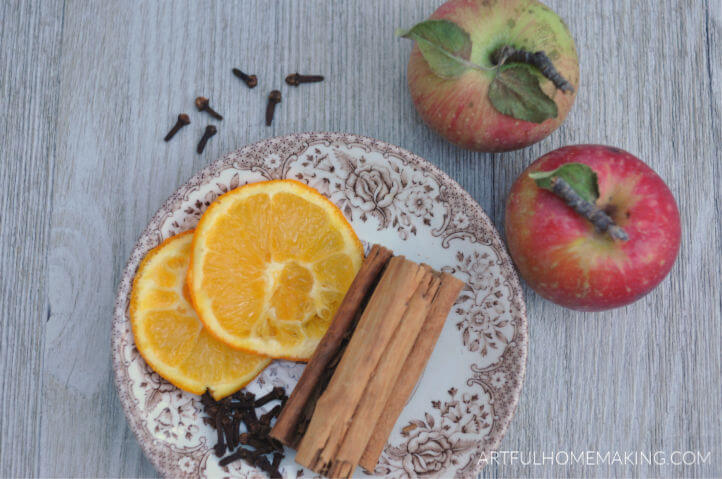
[
  {"x": 273, "y": 413},
  {"x": 226, "y": 423},
  {"x": 274, "y": 472},
  {"x": 258, "y": 442},
  {"x": 235, "y": 429},
  {"x": 276, "y": 393},
  {"x": 273, "y": 98},
  {"x": 228, "y": 415},
  {"x": 264, "y": 464},
  {"x": 244, "y": 396},
  {"x": 242, "y": 400},
  {"x": 220, "y": 447},
  {"x": 245, "y": 454},
  {"x": 295, "y": 79},
  {"x": 210, "y": 131},
  {"x": 250, "y": 80},
  {"x": 202, "y": 104},
  {"x": 183, "y": 120},
  {"x": 251, "y": 419}
]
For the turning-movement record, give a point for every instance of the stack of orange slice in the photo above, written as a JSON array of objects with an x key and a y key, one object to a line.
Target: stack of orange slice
[{"x": 261, "y": 277}]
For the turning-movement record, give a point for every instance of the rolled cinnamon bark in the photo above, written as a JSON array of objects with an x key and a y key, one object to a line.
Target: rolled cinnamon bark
[
  {"x": 295, "y": 415},
  {"x": 336, "y": 407},
  {"x": 414, "y": 365},
  {"x": 385, "y": 377},
  {"x": 364, "y": 370}
]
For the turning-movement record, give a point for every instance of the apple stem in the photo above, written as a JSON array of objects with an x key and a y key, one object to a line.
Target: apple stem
[
  {"x": 601, "y": 220},
  {"x": 540, "y": 60}
]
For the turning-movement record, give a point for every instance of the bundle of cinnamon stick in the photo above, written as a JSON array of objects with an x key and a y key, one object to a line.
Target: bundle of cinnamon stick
[{"x": 362, "y": 374}]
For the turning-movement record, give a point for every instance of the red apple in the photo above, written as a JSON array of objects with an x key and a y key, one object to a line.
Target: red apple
[
  {"x": 565, "y": 259},
  {"x": 457, "y": 104}
]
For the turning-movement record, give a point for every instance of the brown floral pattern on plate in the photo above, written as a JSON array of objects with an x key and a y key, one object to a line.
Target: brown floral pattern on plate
[{"x": 398, "y": 199}]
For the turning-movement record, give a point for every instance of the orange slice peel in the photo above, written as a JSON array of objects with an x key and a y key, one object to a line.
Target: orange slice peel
[
  {"x": 170, "y": 336},
  {"x": 270, "y": 264}
]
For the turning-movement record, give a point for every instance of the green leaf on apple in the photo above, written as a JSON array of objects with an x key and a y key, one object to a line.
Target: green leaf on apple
[
  {"x": 580, "y": 177},
  {"x": 515, "y": 91},
  {"x": 446, "y": 47}
]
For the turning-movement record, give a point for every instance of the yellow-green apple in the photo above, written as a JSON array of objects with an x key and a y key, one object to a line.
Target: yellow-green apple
[
  {"x": 493, "y": 75},
  {"x": 592, "y": 227}
]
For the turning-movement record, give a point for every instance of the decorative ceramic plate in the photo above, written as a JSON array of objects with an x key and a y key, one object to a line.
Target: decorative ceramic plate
[{"x": 469, "y": 391}]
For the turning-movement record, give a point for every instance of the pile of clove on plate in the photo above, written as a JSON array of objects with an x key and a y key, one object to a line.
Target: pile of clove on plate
[{"x": 253, "y": 445}]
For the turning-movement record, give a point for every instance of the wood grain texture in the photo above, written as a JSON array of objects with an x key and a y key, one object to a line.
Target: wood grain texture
[
  {"x": 92, "y": 87},
  {"x": 29, "y": 37}
]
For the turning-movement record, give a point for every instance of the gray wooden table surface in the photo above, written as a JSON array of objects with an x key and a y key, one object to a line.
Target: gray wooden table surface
[{"x": 89, "y": 88}]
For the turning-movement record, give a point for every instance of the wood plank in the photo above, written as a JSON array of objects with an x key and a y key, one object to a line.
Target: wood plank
[
  {"x": 29, "y": 38},
  {"x": 95, "y": 221}
]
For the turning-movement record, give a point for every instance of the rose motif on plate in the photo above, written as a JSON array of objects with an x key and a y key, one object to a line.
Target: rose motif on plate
[
  {"x": 386, "y": 192},
  {"x": 441, "y": 439}
]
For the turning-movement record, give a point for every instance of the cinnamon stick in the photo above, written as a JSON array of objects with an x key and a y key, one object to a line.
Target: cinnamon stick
[
  {"x": 414, "y": 365},
  {"x": 384, "y": 378},
  {"x": 336, "y": 406},
  {"x": 301, "y": 404}
]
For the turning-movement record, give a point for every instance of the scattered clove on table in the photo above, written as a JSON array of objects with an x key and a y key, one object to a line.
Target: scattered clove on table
[
  {"x": 203, "y": 104},
  {"x": 295, "y": 79},
  {"x": 182, "y": 121},
  {"x": 250, "y": 80},
  {"x": 273, "y": 98},
  {"x": 210, "y": 131}
]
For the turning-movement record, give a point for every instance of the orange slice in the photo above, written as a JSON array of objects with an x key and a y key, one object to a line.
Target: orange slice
[
  {"x": 271, "y": 262},
  {"x": 169, "y": 335}
]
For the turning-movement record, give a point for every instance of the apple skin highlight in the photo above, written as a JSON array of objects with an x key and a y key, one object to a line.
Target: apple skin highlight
[
  {"x": 564, "y": 259},
  {"x": 459, "y": 109}
]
